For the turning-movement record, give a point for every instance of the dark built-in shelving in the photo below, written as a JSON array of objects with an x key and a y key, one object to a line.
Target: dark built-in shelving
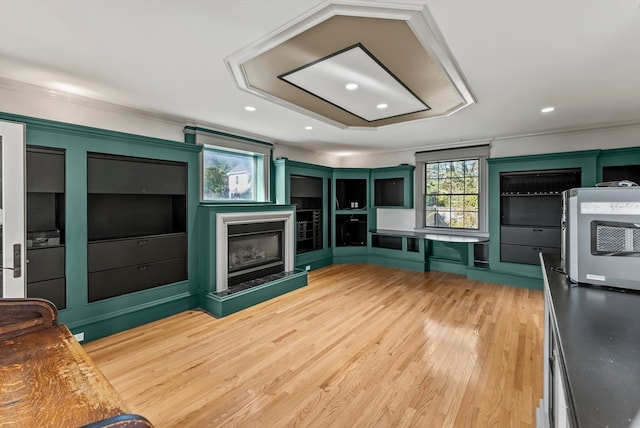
[
  {"x": 45, "y": 183},
  {"x": 531, "y": 211},
  {"x": 136, "y": 218},
  {"x": 306, "y": 195},
  {"x": 388, "y": 192}
]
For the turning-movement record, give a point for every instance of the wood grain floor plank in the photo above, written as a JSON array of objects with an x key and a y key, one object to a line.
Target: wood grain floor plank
[{"x": 360, "y": 346}]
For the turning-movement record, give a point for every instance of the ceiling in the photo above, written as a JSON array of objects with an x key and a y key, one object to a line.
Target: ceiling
[{"x": 168, "y": 58}]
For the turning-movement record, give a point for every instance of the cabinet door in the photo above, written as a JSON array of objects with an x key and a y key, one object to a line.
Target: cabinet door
[
  {"x": 53, "y": 290},
  {"x": 532, "y": 236},
  {"x": 45, "y": 263},
  {"x": 524, "y": 253},
  {"x": 136, "y": 176},
  {"x": 45, "y": 171}
]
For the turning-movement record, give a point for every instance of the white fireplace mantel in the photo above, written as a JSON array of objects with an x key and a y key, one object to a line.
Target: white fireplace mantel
[{"x": 223, "y": 220}]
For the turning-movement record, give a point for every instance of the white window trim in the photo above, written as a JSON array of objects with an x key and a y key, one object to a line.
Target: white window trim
[
  {"x": 475, "y": 152},
  {"x": 224, "y": 143}
]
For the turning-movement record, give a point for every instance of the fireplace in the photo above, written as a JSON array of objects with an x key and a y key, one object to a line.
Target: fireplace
[
  {"x": 252, "y": 245},
  {"x": 254, "y": 250}
]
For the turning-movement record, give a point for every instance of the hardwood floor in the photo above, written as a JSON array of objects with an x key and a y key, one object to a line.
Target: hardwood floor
[{"x": 361, "y": 345}]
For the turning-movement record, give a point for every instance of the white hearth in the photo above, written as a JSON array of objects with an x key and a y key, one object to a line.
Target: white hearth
[{"x": 224, "y": 220}]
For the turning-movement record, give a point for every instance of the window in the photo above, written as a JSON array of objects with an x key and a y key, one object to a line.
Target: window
[
  {"x": 233, "y": 170},
  {"x": 452, "y": 192}
]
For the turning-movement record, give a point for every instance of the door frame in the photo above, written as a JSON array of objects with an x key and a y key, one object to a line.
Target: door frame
[{"x": 13, "y": 146}]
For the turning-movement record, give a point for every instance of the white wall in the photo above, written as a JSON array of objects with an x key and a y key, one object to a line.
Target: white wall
[
  {"x": 88, "y": 113},
  {"x": 301, "y": 155},
  {"x": 82, "y": 111},
  {"x": 588, "y": 139}
]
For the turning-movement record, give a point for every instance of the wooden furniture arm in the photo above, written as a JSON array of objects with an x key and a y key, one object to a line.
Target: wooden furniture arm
[
  {"x": 122, "y": 421},
  {"x": 26, "y": 315}
]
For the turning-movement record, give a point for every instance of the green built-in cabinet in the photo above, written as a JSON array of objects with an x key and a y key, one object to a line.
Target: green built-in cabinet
[
  {"x": 562, "y": 170},
  {"x": 309, "y": 188},
  {"x": 63, "y": 275}
]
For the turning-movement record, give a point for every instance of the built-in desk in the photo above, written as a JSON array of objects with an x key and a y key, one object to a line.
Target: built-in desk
[
  {"x": 595, "y": 333},
  {"x": 430, "y": 236}
]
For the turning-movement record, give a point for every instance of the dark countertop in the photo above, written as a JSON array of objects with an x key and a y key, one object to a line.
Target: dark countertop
[
  {"x": 430, "y": 236},
  {"x": 599, "y": 341}
]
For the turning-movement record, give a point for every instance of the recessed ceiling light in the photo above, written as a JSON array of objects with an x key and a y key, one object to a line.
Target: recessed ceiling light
[
  {"x": 547, "y": 109},
  {"x": 382, "y": 106},
  {"x": 351, "y": 86},
  {"x": 308, "y": 128},
  {"x": 250, "y": 108}
]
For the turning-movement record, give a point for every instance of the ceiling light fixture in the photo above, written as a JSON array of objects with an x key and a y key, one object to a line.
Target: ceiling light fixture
[
  {"x": 382, "y": 106},
  {"x": 547, "y": 109},
  {"x": 351, "y": 86},
  {"x": 250, "y": 108},
  {"x": 308, "y": 128},
  {"x": 325, "y": 79}
]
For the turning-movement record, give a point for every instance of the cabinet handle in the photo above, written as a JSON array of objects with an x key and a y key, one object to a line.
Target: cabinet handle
[
  {"x": 143, "y": 242},
  {"x": 538, "y": 230},
  {"x": 143, "y": 268}
]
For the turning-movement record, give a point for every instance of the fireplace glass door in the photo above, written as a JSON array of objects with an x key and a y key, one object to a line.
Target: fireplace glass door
[{"x": 255, "y": 250}]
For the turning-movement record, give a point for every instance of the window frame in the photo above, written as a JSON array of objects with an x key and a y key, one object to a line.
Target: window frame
[
  {"x": 224, "y": 143},
  {"x": 481, "y": 153}
]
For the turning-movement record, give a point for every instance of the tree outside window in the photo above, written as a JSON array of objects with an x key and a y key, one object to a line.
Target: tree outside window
[
  {"x": 228, "y": 175},
  {"x": 452, "y": 194}
]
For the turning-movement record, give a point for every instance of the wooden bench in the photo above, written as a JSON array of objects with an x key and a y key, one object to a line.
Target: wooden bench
[{"x": 47, "y": 379}]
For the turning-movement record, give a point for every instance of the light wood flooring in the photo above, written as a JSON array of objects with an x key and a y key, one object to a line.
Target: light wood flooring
[{"x": 360, "y": 346}]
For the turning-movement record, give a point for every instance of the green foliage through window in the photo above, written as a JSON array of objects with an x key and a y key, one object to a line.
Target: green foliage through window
[
  {"x": 228, "y": 175},
  {"x": 452, "y": 194}
]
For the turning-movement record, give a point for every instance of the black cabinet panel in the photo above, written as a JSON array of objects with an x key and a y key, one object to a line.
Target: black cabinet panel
[
  {"x": 45, "y": 263},
  {"x": 389, "y": 242},
  {"x": 115, "y": 282},
  {"x": 389, "y": 192},
  {"x": 111, "y": 216},
  {"x": 135, "y": 251},
  {"x": 306, "y": 187},
  {"x": 53, "y": 290},
  {"x": 45, "y": 170},
  {"x": 110, "y": 174},
  {"x": 532, "y": 236},
  {"x": 524, "y": 254}
]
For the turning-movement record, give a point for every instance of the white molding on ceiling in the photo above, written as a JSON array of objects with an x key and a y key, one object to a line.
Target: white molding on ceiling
[{"x": 417, "y": 17}]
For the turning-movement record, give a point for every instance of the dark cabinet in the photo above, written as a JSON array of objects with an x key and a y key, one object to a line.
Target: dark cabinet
[
  {"x": 531, "y": 211},
  {"x": 306, "y": 195},
  {"x": 45, "y": 212},
  {"x": 136, "y": 218},
  {"x": 125, "y": 175},
  {"x": 388, "y": 192}
]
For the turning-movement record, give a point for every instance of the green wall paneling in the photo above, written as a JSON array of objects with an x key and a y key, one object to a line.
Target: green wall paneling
[
  {"x": 496, "y": 277},
  {"x": 121, "y": 311},
  {"x": 402, "y": 259},
  {"x": 450, "y": 257},
  {"x": 586, "y": 160},
  {"x": 314, "y": 259}
]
